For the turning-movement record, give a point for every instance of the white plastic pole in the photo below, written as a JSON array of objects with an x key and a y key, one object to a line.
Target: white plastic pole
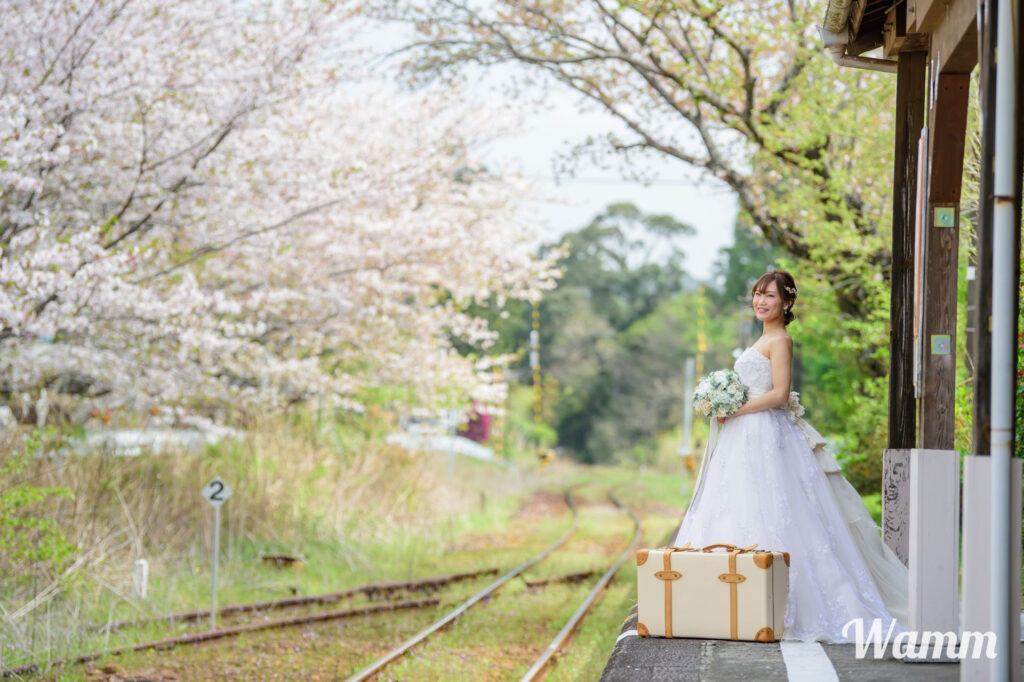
[
  {"x": 140, "y": 578},
  {"x": 213, "y": 581},
  {"x": 1004, "y": 333}
]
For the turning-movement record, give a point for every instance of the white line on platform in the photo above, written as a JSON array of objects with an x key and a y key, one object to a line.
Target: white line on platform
[
  {"x": 627, "y": 633},
  {"x": 807, "y": 662}
]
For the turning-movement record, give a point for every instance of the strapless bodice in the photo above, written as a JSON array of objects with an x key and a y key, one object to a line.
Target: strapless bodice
[{"x": 755, "y": 371}]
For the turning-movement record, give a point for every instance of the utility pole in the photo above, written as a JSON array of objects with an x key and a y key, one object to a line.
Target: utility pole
[
  {"x": 535, "y": 366},
  {"x": 702, "y": 343},
  {"x": 686, "y": 447}
]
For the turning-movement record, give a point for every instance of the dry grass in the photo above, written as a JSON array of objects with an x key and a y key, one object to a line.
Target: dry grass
[{"x": 292, "y": 488}]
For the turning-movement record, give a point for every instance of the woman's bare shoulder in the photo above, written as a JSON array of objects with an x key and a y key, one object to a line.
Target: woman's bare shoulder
[{"x": 781, "y": 344}]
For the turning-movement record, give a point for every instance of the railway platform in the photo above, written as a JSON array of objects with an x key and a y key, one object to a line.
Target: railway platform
[{"x": 655, "y": 659}]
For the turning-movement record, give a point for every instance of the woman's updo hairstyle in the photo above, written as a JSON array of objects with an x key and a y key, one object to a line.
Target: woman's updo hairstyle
[{"x": 786, "y": 285}]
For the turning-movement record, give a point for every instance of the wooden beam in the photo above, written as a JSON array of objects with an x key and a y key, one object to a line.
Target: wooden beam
[
  {"x": 954, "y": 44},
  {"x": 929, "y": 14},
  {"x": 1019, "y": 153},
  {"x": 857, "y": 15},
  {"x": 947, "y": 118},
  {"x": 910, "y": 104},
  {"x": 894, "y": 32},
  {"x": 979, "y": 288},
  {"x": 916, "y": 42},
  {"x": 915, "y": 10}
]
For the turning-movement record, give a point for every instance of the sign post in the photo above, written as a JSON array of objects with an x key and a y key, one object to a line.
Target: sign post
[
  {"x": 686, "y": 447},
  {"x": 216, "y": 493}
]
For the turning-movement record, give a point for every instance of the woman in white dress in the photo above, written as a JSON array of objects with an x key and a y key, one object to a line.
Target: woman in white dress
[{"x": 766, "y": 478}]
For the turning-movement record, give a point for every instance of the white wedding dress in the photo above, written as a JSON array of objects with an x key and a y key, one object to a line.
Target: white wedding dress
[{"x": 766, "y": 478}]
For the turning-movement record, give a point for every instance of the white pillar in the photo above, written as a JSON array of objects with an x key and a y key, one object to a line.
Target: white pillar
[
  {"x": 934, "y": 540},
  {"x": 976, "y": 578},
  {"x": 1004, "y": 336}
]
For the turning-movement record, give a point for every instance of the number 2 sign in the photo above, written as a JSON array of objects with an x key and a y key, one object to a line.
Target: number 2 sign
[{"x": 216, "y": 491}]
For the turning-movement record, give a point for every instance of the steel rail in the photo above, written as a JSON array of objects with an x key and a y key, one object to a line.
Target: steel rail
[
  {"x": 197, "y": 637},
  {"x": 385, "y": 660},
  {"x": 555, "y": 579},
  {"x": 567, "y": 630},
  {"x": 369, "y": 589}
]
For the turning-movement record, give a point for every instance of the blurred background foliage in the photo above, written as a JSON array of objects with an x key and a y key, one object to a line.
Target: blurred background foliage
[{"x": 616, "y": 332}]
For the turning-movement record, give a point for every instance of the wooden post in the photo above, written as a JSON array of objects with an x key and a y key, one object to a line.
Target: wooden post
[
  {"x": 910, "y": 103},
  {"x": 947, "y": 129},
  {"x": 910, "y": 82},
  {"x": 979, "y": 287}
]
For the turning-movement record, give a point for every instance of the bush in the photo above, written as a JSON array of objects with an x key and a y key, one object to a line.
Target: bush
[{"x": 30, "y": 539}]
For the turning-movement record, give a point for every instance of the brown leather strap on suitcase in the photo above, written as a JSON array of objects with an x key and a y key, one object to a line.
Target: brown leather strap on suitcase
[
  {"x": 668, "y": 575},
  {"x": 734, "y": 579},
  {"x": 667, "y": 556}
]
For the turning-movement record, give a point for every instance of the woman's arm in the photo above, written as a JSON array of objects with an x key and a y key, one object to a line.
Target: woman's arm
[{"x": 781, "y": 357}]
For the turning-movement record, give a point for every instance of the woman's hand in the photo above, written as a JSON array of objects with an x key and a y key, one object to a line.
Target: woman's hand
[{"x": 721, "y": 420}]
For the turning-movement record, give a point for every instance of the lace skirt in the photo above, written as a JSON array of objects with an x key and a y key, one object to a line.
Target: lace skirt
[{"x": 762, "y": 484}]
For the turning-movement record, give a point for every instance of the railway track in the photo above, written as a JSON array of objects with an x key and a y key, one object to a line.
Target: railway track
[
  {"x": 376, "y": 590},
  {"x": 371, "y": 670},
  {"x": 210, "y": 635},
  {"x": 385, "y": 590},
  {"x": 560, "y": 639},
  {"x": 589, "y": 601}
]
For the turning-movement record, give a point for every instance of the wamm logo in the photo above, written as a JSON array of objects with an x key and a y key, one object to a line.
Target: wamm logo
[{"x": 917, "y": 646}]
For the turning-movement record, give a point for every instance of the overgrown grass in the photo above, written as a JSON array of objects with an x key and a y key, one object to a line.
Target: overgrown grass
[{"x": 356, "y": 510}]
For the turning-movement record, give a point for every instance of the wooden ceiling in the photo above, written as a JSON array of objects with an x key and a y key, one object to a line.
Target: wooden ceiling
[{"x": 869, "y": 24}]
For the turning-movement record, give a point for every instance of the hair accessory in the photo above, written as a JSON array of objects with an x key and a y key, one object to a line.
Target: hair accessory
[{"x": 791, "y": 290}]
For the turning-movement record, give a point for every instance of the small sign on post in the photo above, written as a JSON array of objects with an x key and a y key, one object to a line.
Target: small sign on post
[{"x": 216, "y": 493}]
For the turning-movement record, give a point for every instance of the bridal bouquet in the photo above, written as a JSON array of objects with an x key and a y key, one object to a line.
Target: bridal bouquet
[{"x": 719, "y": 394}]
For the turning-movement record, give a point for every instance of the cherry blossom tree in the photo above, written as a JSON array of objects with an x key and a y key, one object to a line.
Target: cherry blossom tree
[
  {"x": 742, "y": 93},
  {"x": 201, "y": 207},
  {"x": 738, "y": 90}
]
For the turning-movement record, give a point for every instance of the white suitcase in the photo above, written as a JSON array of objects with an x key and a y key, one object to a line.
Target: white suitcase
[{"x": 737, "y": 594}]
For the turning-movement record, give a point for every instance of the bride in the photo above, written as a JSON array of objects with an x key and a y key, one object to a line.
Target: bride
[{"x": 766, "y": 478}]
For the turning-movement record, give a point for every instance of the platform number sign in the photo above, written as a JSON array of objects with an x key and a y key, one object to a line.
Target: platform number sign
[{"x": 216, "y": 491}]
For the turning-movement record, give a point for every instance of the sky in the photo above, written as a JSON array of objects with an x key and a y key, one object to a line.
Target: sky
[
  {"x": 565, "y": 204},
  {"x": 571, "y": 202}
]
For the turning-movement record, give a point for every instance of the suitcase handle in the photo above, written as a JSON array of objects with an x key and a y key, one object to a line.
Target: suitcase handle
[{"x": 726, "y": 545}]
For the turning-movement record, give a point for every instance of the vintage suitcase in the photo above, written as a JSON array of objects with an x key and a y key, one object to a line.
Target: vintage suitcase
[{"x": 708, "y": 593}]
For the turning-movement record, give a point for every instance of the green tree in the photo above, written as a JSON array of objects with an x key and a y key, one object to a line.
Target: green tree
[
  {"x": 741, "y": 91},
  {"x": 738, "y": 89},
  {"x": 616, "y": 331},
  {"x": 626, "y": 261},
  {"x": 30, "y": 538},
  {"x": 740, "y": 264}
]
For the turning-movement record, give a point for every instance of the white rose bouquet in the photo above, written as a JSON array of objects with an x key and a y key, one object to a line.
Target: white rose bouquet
[{"x": 719, "y": 394}]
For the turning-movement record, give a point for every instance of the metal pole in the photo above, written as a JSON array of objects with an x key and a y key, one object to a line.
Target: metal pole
[
  {"x": 1004, "y": 332},
  {"x": 451, "y": 443},
  {"x": 535, "y": 367},
  {"x": 213, "y": 581},
  {"x": 702, "y": 344},
  {"x": 691, "y": 365},
  {"x": 686, "y": 448}
]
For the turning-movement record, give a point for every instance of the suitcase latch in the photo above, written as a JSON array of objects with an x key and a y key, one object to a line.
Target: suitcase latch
[{"x": 668, "y": 575}]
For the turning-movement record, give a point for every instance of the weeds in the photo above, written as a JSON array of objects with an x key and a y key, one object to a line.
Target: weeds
[{"x": 334, "y": 493}]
